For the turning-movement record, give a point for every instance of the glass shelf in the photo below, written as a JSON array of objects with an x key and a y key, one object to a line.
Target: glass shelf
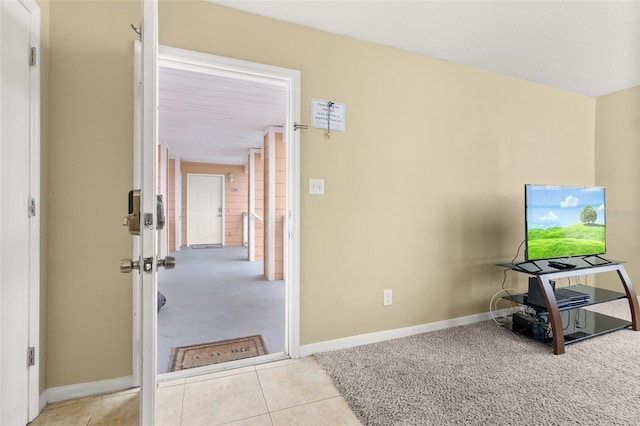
[
  {"x": 579, "y": 324},
  {"x": 597, "y": 295},
  {"x": 540, "y": 267}
]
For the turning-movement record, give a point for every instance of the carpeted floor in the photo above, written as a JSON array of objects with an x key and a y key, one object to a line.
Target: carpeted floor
[
  {"x": 484, "y": 374},
  {"x": 215, "y": 294}
]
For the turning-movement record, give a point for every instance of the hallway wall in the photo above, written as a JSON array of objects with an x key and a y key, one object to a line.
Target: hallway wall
[{"x": 617, "y": 152}]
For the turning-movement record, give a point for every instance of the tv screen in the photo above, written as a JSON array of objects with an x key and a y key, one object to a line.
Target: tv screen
[{"x": 564, "y": 221}]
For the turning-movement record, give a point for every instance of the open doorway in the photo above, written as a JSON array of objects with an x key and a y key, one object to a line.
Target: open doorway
[{"x": 224, "y": 131}]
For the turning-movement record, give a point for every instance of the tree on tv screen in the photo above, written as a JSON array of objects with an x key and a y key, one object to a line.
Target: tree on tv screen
[{"x": 588, "y": 215}]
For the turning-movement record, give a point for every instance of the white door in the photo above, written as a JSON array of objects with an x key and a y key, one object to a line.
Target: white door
[
  {"x": 19, "y": 220},
  {"x": 205, "y": 217},
  {"x": 145, "y": 172}
]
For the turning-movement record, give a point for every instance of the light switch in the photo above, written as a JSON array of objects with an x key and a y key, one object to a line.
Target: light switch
[{"x": 316, "y": 186}]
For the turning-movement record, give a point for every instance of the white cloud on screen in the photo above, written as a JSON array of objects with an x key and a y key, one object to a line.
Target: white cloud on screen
[
  {"x": 549, "y": 217},
  {"x": 570, "y": 201}
]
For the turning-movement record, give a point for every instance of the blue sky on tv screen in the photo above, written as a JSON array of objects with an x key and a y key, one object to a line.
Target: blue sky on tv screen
[{"x": 549, "y": 206}]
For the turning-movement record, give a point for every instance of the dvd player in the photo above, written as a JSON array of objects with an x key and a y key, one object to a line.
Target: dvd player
[{"x": 564, "y": 296}]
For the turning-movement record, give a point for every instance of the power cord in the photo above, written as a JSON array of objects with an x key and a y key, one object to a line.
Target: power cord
[{"x": 504, "y": 290}]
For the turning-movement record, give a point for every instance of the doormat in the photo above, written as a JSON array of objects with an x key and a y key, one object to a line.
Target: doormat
[
  {"x": 205, "y": 246},
  {"x": 201, "y": 354}
]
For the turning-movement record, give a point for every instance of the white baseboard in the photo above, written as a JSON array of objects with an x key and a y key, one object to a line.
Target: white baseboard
[
  {"x": 80, "y": 390},
  {"x": 365, "y": 339}
]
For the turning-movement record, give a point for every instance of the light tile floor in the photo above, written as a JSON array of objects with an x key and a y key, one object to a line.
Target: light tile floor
[{"x": 291, "y": 392}]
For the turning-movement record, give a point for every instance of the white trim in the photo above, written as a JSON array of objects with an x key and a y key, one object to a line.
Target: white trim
[
  {"x": 137, "y": 181},
  {"x": 172, "y": 57},
  {"x": 381, "y": 336},
  {"x": 81, "y": 390},
  {"x": 292, "y": 244}
]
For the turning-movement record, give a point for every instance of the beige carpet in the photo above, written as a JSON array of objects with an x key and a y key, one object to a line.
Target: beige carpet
[
  {"x": 202, "y": 354},
  {"x": 484, "y": 374}
]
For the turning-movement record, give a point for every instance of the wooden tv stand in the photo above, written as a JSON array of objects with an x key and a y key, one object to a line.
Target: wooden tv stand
[{"x": 587, "y": 265}]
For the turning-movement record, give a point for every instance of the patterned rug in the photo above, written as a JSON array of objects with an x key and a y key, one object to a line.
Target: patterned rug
[{"x": 202, "y": 354}]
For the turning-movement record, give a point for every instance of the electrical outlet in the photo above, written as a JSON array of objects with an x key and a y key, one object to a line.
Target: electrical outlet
[
  {"x": 387, "y": 298},
  {"x": 316, "y": 186}
]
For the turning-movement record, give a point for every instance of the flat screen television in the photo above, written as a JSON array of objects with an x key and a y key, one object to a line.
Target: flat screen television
[{"x": 564, "y": 221}]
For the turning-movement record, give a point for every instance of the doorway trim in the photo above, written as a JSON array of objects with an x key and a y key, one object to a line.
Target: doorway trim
[{"x": 207, "y": 63}]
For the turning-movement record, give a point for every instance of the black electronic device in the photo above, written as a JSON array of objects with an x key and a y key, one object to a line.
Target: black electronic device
[
  {"x": 564, "y": 296},
  {"x": 561, "y": 265},
  {"x": 536, "y": 328}
]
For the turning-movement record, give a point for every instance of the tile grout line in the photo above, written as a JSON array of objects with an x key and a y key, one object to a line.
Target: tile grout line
[
  {"x": 184, "y": 397},
  {"x": 309, "y": 403},
  {"x": 95, "y": 407},
  {"x": 263, "y": 397}
]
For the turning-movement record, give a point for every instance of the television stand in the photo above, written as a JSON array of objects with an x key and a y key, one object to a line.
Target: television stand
[{"x": 545, "y": 274}]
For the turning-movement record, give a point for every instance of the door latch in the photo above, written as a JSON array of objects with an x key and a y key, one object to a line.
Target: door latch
[{"x": 132, "y": 220}]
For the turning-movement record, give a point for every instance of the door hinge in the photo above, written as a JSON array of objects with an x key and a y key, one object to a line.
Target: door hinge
[
  {"x": 31, "y": 207},
  {"x": 31, "y": 356},
  {"x": 33, "y": 54}
]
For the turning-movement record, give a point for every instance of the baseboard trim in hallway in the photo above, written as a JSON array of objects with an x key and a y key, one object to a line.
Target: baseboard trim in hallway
[{"x": 81, "y": 390}]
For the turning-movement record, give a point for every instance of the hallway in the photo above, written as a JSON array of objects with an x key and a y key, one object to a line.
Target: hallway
[{"x": 216, "y": 294}]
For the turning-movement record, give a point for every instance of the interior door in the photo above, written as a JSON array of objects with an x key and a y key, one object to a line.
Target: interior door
[
  {"x": 205, "y": 207},
  {"x": 19, "y": 219}
]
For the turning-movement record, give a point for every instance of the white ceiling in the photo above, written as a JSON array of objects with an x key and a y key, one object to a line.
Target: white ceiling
[
  {"x": 587, "y": 47},
  {"x": 213, "y": 119}
]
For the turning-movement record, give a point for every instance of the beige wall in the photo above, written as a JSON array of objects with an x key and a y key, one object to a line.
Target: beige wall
[
  {"x": 617, "y": 136},
  {"x": 424, "y": 191},
  {"x": 90, "y": 171}
]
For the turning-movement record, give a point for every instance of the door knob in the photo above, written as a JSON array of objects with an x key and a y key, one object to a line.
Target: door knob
[
  {"x": 169, "y": 262},
  {"x": 128, "y": 265}
]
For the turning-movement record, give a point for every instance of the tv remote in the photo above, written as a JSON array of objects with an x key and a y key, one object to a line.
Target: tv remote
[{"x": 561, "y": 265}]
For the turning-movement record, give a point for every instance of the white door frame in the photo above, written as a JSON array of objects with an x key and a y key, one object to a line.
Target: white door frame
[
  {"x": 211, "y": 64},
  {"x": 33, "y": 373},
  {"x": 222, "y": 204}
]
